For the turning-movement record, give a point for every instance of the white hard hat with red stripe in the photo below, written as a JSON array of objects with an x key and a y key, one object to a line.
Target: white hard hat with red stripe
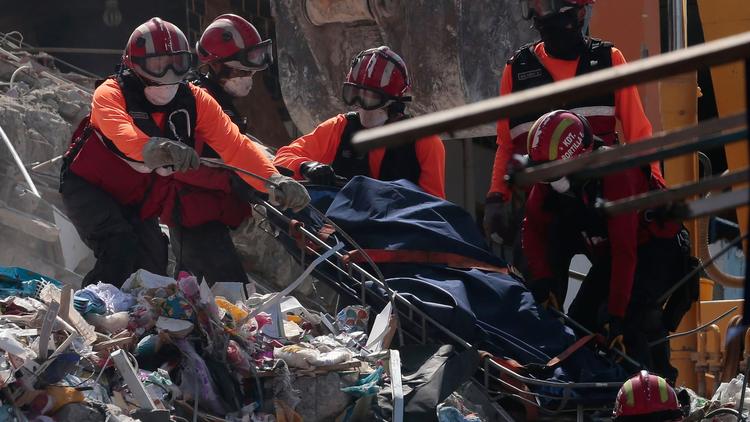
[
  {"x": 232, "y": 39},
  {"x": 158, "y": 52},
  {"x": 377, "y": 76}
]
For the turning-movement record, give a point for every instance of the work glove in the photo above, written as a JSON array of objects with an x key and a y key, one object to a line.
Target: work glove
[
  {"x": 318, "y": 173},
  {"x": 498, "y": 220},
  {"x": 163, "y": 152},
  {"x": 285, "y": 192},
  {"x": 542, "y": 291}
]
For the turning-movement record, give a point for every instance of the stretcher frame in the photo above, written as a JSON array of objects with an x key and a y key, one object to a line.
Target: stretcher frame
[{"x": 492, "y": 377}]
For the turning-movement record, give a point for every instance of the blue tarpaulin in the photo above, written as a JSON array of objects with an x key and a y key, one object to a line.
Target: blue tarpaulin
[{"x": 492, "y": 310}]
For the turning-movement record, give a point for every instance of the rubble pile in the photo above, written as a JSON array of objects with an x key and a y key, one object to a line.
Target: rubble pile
[
  {"x": 160, "y": 347},
  {"x": 159, "y": 350},
  {"x": 39, "y": 108}
]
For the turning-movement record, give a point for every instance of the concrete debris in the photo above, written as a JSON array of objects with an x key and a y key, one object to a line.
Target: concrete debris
[{"x": 176, "y": 350}]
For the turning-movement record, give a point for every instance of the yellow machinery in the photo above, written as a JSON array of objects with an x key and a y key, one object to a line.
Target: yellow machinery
[{"x": 703, "y": 359}]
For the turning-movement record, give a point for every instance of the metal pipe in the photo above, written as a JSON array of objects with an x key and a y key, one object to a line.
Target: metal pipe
[
  {"x": 709, "y": 206},
  {"x": 668, "y": 196},
  {"x": 600, "y": 158},
  {"x": 677, "y": 26},
  {"x": 669, "y": 152},
  {"x": 533, "y": 100},
  {"x": 694, "y": 330},
  {"x": 19, "y": 163},
  {"x": 16, "y": 72}
]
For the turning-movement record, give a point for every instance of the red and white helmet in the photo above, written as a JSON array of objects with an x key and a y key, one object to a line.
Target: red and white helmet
[
  {"x": 232, "y": 39},
  {"x": 646, "y": 397},
  {"x": 376, "y": 77},
  {"x": 158, "y": 52},
  {"x": 544, "y": 8},
  {"x": 559, "y": 135}
]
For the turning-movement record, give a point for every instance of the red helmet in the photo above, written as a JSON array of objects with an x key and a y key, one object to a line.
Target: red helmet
[
  {"x": 158, "y": 52},
  {"x": 377, "y": 76},
  {"x": 543, "y": 8},
  {"x": 559, "y": 135},
  {"x": 230, "y": 38},
  {"x": 646, "y": 397}
]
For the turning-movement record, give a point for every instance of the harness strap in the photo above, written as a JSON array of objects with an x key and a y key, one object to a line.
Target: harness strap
[{"x": 422, "y": 257}]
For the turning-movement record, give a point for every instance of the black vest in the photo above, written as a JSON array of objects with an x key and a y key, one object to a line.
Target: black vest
[
  {"x": 179, "y": 125},
  {"x": 398, "y": 163},
  {"x": 529, "y": 72},
  {"x": 179, "y": 114}
]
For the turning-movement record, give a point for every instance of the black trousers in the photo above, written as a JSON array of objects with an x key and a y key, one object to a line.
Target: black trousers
[
  {"x": 121, "y": 241},
  {"x": 207, "y": 251},
  {"x": 661, "y": 263}
]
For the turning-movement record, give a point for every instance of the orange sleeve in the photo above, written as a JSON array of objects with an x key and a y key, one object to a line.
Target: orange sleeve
[
  {"x": 628, "y": 108},
  {"x": 504, "y": 142},
  {"x": 431, "y": 155},
  {"x": 319, "y": 145},
  {"x": 629, "y": 111},
  {"x": 109, "y": 116},
  {"x": 225, "y": 138}
]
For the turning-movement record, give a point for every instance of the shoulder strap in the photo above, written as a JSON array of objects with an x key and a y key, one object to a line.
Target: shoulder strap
[
  {"x": 523, "y": 52},
  {"x": 180, "y": 112}
]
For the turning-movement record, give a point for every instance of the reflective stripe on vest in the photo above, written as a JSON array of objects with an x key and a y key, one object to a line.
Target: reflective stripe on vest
[{"x": 529, "y": 72}]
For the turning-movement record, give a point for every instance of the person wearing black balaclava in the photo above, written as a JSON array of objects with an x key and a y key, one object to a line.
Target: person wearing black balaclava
[{"x": 563, "y": 51}]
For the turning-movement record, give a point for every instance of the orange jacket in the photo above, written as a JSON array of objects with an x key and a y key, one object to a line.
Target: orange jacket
[
  {"x": 322, "y": 144},
  {"x": 109, "y": 116},
  {"x": 628, "y": 110}
]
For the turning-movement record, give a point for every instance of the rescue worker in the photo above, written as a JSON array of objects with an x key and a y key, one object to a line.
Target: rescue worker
[
  {"x": 144, "y": 123},
  {"x": 562, "y": 53},
  {"x": 377, "y": 85},
  {"x": 635, "y": 257},
  {"x": 201, "y": 206},
  {"x": 232, "y": 51},
  {"x": 647, "y": 398}
]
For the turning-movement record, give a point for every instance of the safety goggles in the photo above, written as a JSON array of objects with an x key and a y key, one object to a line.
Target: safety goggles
[
  {"x": 158, "y": 65},
  {"x": 367, "y": 98},
  {"x": 542, "y": 8},
  {"x": 257, "y": 57}
]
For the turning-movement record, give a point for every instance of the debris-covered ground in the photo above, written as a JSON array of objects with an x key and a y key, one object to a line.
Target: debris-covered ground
[{"x": 160, "y": 350}]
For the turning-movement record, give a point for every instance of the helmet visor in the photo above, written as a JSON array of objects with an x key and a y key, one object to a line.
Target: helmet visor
[
  {"x": 367, "y": 98},
  {"x": 158, "y": 66},
  {"x": 257, "y": 57}
]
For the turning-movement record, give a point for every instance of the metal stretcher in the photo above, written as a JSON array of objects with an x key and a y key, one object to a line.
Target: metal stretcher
[{"x": 498, "y": 380}]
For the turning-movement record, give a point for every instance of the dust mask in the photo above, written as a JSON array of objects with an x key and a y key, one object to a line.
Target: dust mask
[
  {"x": 561, "y": 185},
  {"x": 238, "y": 87},
  {"x": 373, "y": 118},
  {"x": 160, "y": 94}
]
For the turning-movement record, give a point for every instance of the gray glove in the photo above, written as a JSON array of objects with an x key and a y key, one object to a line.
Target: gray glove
[
  {"x": 285, "y": 192},
  {"x": 498, "y": 219},
  {"x": 163, "y": 152}
]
